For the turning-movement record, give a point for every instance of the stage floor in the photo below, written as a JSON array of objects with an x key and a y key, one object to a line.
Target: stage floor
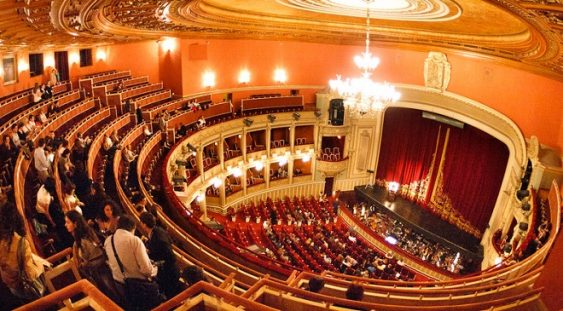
[{"x": 422, "y": 220}]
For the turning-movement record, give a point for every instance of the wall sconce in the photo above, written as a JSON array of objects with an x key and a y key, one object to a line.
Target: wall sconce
[
  {"x": 217, "y": 182},
  {"x": 22, "y": 65},
  {"x": 271, "y": 118},
  {"x": 237, "y": 172},
  {"x": 306, "y": 158},
  {"x": 282, "y": 160},
  {"x": 209, "y": 79},
  {"x": 259, "y": 165},
  {"x": 200, "y": 197},
  {"x": 247, "y": 122},
  {"x": 280, "y": 76},
  {"x": 296, "y": 116},
  {"x": 244, "y": 76},
  {"x": 101, "y": 55},
  {"x": 168, "y": 45},
  {"x": 74, "y": 58},
  {"x": 48, "y": 60}
]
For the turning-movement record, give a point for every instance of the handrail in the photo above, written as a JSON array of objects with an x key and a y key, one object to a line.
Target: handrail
[
  {"x": 422, "y": 291},
  {"x": 95, "y": 298},
  {"x": 226, "y": 297},
  {"x": 287, "y": 292}
]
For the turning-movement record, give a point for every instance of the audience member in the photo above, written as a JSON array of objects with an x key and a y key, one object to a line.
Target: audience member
[
  {"x": 71, "y": 200},
  {"x": 147, "y": 130},
  {"x": 13, "y": 245},
  {"x": 201, "y": 122},
  {"x": 129, "y": 155},
  {"x": 14, "y": 136},
  {"x": 45, "y": 196},
  {"x": 54, "y": 76},
  {"x": 128, "y": 259},
  {"x": 90, "y": 255},
  {"x": 193, "y": 274},
  {"x": 316, "y": 284},
  {"x": 36, "y": 93},
  {"x": 108, "y": 218},
  {"x": 42, "y": 164},
  {"x": 355, "y": 291},
  {"x": 108, "y": 143},
  {"x": 159, "y": 246}
]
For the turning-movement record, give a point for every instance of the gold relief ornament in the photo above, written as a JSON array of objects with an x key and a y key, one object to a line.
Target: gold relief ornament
[{"x": 437, "y": 71}]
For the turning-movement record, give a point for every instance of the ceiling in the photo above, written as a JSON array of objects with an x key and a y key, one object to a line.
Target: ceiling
[{"x": 522, "y": 33}]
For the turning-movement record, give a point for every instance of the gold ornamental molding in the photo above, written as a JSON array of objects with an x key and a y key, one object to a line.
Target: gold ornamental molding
[{"x": 331, "y": 169}]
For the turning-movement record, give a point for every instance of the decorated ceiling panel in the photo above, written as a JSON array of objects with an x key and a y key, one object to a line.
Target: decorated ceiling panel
[{"x": 524, "y": 33}]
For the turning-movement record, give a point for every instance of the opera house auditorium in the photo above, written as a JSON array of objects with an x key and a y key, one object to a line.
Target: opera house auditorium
[{"x": 281, "y": 154}]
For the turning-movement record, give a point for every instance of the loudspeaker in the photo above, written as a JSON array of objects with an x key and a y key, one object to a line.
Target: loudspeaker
[{"x": 336, "y": 111}]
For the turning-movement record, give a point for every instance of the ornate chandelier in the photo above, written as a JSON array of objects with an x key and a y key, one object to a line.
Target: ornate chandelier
[{"x": 362, "y": 96}]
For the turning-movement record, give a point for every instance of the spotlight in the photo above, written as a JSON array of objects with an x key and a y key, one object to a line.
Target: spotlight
[
  {"x": 271, "y": 118},
  {"x": 318, "y": 113},
  {"x": 296, "y": 116},
  {"x": 248, "y": 122}
]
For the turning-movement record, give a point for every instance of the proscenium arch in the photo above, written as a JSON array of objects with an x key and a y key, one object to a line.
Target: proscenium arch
[{"x": 478, "y": 115}]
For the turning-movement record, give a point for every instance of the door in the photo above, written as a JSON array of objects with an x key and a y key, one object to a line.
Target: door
[
  {"x": 329, "y": 181},
  {"x": 61, "y": 63}
]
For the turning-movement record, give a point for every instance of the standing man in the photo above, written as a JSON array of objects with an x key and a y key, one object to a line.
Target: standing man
[
  {"x": 128, "y": 259},
  {"x": 159, "y": 245}
]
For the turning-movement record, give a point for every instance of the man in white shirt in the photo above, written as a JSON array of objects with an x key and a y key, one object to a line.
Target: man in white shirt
[
  {"x": 42, "y": 164},
  {"x": 131, "y": 251},
  {"x": 132, "y": 254}
]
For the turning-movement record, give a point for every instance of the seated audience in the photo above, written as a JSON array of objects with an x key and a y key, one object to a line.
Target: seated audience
[
  {"x": 108, "y": 217},
  {"x": 71, "y": 200}
]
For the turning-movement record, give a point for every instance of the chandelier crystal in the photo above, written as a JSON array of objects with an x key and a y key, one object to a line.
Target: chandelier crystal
[{"x": 362, "y": 96}]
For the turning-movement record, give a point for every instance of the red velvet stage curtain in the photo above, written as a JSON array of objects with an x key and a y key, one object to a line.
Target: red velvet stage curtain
[
  {"x": 407, "y": 148},
  {"x": 473, "y": 170}
]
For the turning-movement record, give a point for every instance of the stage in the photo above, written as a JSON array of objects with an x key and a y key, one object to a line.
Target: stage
[{"x": 422, "y": 221}]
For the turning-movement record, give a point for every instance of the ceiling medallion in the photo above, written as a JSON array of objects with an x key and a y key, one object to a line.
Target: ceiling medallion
[{"x": 405, "y": 10}]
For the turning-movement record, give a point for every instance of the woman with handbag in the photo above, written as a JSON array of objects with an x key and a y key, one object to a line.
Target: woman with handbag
[
  {"x": 20, "y": 271},
  {"x": 89, "y": 255}
]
